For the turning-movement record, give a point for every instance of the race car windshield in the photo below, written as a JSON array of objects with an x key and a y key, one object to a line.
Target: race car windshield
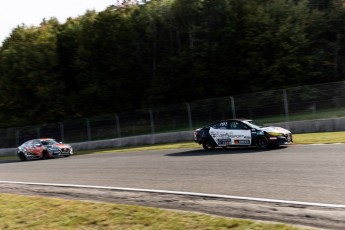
[
  {"x": 49, "y": 142},
  {"x": 252, "y": 124}
]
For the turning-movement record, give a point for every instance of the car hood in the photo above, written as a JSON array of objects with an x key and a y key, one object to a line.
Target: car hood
[{"x": 272, "y": 129}]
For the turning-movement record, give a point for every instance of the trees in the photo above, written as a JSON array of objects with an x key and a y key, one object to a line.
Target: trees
[
  {"x": 276, "y": 44},
  {"x": 30, "y": 84},
  {"x": 106, "y": 63},
  {"x": 167, "y": 51}
]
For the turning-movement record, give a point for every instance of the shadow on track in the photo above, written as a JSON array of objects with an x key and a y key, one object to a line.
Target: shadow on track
[
  {"x": 10, "y": 161},
  {"x": 221, "y": 151}
]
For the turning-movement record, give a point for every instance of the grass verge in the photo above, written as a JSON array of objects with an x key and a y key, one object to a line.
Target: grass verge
[
  {"x": 20, "y": 212},
  {"x": 320, "y": 138}
]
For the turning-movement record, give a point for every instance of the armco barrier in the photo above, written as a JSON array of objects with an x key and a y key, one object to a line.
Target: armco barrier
[
  {"x": 136, "y": 140},
  {"x": 310, "y": 126},
  {"x": 314, "y": 126}
]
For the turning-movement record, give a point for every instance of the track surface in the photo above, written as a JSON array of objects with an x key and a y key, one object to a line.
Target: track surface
[
  {"x": 309, "y": 173},
  {"x": 306, "y": 173}
]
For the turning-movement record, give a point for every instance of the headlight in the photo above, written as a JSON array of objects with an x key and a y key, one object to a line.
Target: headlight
[{"x": 274, "y": 134}]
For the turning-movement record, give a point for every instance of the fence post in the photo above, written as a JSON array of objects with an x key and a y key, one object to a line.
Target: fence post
[
  {"x": 233, "y": 107},
  {"x": 62, "y": 132},
  {"x": 88, "y": 129},
  {"x": 286, "y": 108},
  {"x": 17, "y": 137},
  {"x": 38, "y": 134},
  {"x": 152, "y": 126},
  {"x": 189, "y": 110},
  {"x": 118, "y": 129}
]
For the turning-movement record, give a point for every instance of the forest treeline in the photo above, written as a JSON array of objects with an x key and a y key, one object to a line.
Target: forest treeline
[{"x": 162, "y": 52}]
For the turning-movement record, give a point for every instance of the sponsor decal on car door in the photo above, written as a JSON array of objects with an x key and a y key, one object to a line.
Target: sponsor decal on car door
[
  {"x": 226, "y": 137},
  {"x": 221, "y": 136},
  {"x": 240, "y": 137}
]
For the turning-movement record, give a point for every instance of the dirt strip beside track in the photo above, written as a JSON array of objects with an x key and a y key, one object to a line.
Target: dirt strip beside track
[{"x": 320, "y": 217}]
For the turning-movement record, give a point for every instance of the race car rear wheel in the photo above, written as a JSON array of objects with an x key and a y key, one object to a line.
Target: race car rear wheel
[
  {"x": 262, "y": 143},
  {"x": 208, "y": 145}
]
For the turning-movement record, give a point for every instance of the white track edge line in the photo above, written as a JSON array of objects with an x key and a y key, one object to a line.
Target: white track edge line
[{"x": 183, "y": 193}]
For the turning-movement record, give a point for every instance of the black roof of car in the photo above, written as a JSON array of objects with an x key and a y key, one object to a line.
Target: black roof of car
[{"x": 232, "y": 119}]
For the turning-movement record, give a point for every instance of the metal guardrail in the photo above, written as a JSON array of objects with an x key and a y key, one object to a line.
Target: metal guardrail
[{"x": 274, "y": 106}]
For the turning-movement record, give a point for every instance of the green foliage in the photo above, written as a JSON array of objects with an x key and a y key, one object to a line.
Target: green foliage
[
  {"x": 30, "y": 85},
  {"x": 167, "y": 52}
]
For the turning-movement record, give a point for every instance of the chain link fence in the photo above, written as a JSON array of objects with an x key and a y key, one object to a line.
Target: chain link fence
[{"x": 291, "y": 104}]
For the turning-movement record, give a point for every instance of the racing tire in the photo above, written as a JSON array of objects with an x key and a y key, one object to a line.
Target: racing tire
[
  {"x": 22, "y": 157},
  {"x": 208, "y": 145},
  {"x": 262, "y": 143},
  {"x": 45, "y": 155}
]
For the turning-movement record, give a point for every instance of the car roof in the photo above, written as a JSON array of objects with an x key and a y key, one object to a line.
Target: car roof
[{"x": 232, "y": 119}]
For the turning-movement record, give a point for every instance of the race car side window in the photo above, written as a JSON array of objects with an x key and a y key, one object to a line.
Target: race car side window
[
  {"x": 30, "y": 144},
  {"x": 232, "y": 125},
  {"x": 36, "y": 142},
  {"x": 240, "y": 125},
  {"x": 44, "y": 143},
  {"x": 237, "y": 125},
  {"x": 220, "y": 125}
]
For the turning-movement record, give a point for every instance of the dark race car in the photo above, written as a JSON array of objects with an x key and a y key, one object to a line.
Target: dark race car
[
  {"x": 241, "y": 132},
  {"x": 43, "y": 148}
]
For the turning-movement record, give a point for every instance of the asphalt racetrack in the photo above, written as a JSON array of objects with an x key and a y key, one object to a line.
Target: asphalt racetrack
[{"x": 297, "y": 173}]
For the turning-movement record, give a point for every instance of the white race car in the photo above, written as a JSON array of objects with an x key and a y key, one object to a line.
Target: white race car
[{"x": 241, "y": 132}]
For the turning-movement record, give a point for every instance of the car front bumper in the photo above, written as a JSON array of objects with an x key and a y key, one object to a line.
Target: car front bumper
[{"x": 281, "y": 140}]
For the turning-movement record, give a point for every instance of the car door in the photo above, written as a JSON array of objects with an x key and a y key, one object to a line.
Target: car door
[
  {"x": 220, "y": 133},
  {"x": 239, "y": 133},
  {"x": 28, "y": 146},
  {"x": 37, "y": 147}
]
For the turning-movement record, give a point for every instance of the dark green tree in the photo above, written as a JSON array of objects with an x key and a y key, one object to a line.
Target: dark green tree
[
  {"x": 106, "y": 63},
  {"x": 275, "y": 48},
  {"x": 31, "y": 90}
]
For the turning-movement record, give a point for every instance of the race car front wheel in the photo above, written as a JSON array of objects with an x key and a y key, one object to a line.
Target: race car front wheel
[
  {"x": 262, "y": 143},
  {"x": 22, "y": 157},
  {"x": 208, "y": 145},
  {"x": 45, "y": 155}
]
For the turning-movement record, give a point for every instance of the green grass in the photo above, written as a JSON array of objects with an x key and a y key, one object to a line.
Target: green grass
[
  {"x": 317, "y": 138},
  {"x": 20, "y": 212}
]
